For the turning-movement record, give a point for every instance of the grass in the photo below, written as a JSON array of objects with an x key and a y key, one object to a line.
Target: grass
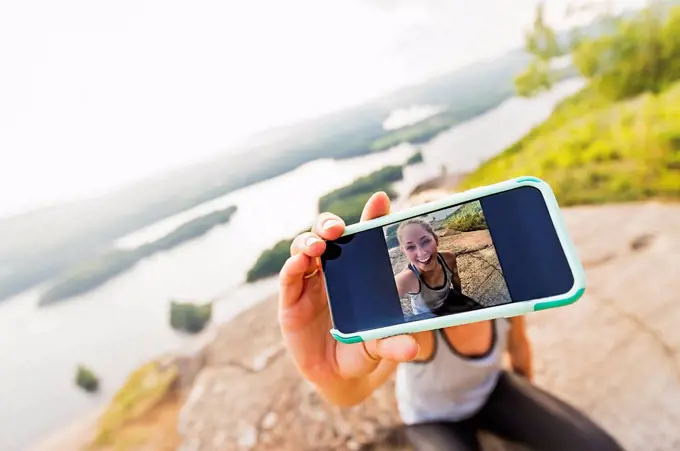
[
  {"x": 591, "y": 151},
  {"x": 145, "y": 389}
]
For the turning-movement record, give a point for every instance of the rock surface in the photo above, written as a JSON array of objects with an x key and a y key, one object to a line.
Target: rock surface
[{"x": 615, "y": 354}]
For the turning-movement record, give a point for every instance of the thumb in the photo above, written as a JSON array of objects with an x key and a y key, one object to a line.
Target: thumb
[
  {"x": 376, "y": 206},
  {"x": 400, "y": 348},
  {"x": 360, "y": 359}
]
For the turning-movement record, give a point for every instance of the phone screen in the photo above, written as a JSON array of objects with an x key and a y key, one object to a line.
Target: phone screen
[{"x": 498, "y": 249}]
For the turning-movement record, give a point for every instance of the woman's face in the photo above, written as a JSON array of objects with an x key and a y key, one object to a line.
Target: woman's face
[{"x": 419, "y": 246}]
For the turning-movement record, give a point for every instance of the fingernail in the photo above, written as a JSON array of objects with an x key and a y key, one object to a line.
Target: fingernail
[
  {"x": 311, "y": 240},
  {"x": 330, "y": 223}
]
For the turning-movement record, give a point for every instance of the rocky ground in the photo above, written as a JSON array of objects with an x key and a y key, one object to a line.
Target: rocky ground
[
  {"x": 480, "y": 272},
  {"x": 614, "y": 354}
]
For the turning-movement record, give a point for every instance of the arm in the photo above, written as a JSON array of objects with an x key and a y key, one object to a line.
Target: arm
[
  {"x": 347, "y": 395},
  {"x": 450, "y": 260},
  {"x": 381, "y": 374},
  {"x": 358, "y": 390},
  {"x": 519, "y": 348},
  {"x": 406, "y": 282}
]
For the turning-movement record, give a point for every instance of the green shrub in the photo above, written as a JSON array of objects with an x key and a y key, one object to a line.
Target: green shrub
[
  {"x": 467, "y": 218},
  {"x": 189, "y": 317},
  {"x": 614, "y": 152},
  {"x": 617, "y": 139},
  {"x": 86, "y": 379},
  {"x": 270, "y": 262}
]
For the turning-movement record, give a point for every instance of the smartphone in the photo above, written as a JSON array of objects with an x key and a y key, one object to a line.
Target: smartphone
[{"x": 495, "y": 251}]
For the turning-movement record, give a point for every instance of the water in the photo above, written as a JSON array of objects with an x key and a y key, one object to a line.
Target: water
[
  {"x": 124, "y": 323},
  {"x": 463, "y": 148}
]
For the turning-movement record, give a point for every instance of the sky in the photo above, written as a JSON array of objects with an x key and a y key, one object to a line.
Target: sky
[{"x": 94, "y": 95}]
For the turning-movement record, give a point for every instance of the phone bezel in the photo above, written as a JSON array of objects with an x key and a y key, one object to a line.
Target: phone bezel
[{"x": 500, "y": 311}]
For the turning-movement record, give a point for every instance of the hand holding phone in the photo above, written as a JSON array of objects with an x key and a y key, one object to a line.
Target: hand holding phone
[{"x": 341, "y": 371}]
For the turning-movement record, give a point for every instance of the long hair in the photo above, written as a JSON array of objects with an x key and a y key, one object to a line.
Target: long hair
[{"x": 416, "y": 221}]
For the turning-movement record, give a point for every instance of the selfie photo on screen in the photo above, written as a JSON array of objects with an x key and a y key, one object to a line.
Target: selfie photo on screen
[{"x": 445, "y": 263}]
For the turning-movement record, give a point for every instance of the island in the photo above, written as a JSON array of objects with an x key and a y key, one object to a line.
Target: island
[{"x": 96, "y": 271}]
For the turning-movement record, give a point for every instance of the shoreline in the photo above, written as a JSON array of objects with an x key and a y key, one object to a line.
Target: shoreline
[{"x": 79, "y": 433}]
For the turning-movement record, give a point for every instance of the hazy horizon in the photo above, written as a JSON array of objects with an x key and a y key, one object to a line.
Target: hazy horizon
[{"x": 102, "y": 96}]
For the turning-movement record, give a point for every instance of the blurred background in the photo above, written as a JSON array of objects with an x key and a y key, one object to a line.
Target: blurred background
[{"x": 157, "y": 157}]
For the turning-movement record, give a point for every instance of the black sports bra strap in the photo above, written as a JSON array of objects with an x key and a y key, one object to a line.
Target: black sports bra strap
[
  {"x": 415, "y": 271},
  {"x": 445, "y": 268}
]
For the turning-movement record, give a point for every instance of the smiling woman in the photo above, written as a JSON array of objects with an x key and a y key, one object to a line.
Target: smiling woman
[{"x": 445, "y": 263}]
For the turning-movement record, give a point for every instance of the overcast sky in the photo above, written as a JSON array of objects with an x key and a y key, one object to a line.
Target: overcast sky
[{"x": 96, "y": 94}]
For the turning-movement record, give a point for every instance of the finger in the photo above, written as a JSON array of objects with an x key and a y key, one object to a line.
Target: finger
[
  {"x": 329, "y": 226},
  {"x": 308, "y": 243},
  {"x": 291, "y": 279},
  {"x": 377, "y": 205},
  {"x": 358, "y": 360},
  {"x": 400, "y": 348}
]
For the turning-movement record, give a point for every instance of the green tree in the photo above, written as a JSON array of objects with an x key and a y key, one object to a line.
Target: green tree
[
  {"x": 534, "y": 79},
  {"x": 86, "y": 379},
  {"x": 634, "y": 55},
  {"x": 271, "y": 261},
  {"x": 189, "y": 317},
  {"x": 541, "y": 42}
]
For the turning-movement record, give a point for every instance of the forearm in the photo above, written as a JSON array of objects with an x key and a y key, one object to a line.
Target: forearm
[
  {"x": 450, "y": 259},
  {"x": 521, "y": 359},
  {"x": 347, "y": 393}
]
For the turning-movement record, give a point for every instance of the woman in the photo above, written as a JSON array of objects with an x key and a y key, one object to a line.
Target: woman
[
  {"x": 431, "y": 278},
  {"x": 450, "y": 383}
]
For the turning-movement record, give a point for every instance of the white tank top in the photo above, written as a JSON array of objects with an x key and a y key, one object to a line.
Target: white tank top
[
  {"x": 449, "y": 386},
  {"x": 429, "y": 299}
]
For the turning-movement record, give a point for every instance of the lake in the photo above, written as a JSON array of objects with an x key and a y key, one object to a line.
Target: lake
[{"x": 124, "y": 323}]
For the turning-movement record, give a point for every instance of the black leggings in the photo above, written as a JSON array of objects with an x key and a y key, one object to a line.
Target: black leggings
[
  {"x": 519, "y": 412},
  {"x": 456, "y": 303}
]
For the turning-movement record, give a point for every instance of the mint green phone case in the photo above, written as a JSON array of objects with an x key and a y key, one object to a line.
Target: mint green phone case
[{"x": 499, "y": 311}]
